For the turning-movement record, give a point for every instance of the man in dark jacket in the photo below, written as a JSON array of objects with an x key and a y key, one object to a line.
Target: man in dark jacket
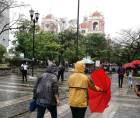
[
  {"x": 121, "y": 72},
  {"x": 61, "y": 70},
  {"x": 46, "y": 92}
]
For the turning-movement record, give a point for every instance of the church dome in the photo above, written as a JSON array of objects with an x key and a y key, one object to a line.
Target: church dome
[
  {"x": 49, "y": 16},
  {"x": 96, "y": 14}
]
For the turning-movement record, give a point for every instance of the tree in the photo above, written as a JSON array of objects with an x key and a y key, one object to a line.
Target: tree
[
  {"x": 5, "y": 5},
  {"x": 97, "y": 45},
  {"x": 130, "y": 44},
  {"x": 23, "y": 42},
  {"x": 2, "y": 52},
  {"x": 67, "y": 47},
  {"x": 46, "y": 45}
]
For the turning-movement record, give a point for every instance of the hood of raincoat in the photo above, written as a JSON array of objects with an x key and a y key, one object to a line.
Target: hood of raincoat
[
  {"x": 52, "y": 69},
  {"x": 79, "y": 67}
]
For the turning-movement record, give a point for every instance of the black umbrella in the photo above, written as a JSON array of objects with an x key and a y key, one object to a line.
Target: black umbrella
[{"x": 25, "y": 59}]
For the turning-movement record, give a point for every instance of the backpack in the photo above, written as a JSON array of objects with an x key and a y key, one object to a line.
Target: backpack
[{"x": 45, "y": 87}]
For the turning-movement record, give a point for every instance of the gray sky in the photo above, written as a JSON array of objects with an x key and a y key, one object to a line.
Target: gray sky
[{"x": 119, "y": 14}]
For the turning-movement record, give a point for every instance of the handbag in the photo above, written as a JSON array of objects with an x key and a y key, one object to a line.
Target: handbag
[{"x": 32, "y": 105}]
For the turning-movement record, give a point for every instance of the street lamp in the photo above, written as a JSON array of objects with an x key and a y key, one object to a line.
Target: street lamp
[
  {"x": 34, "y": 19},
  {"x": 78, "y": 8},
  {"x": 86, "y": 48}
]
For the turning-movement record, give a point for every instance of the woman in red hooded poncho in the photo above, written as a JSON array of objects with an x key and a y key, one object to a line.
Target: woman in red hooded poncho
[{"x": 98, "y": 101}]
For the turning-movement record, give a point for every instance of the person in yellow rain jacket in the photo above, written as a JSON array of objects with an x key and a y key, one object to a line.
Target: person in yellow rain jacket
[{"x": 78, "y": 84}]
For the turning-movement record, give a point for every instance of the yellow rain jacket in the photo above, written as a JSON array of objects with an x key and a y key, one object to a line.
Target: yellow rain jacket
[{"x": 78, "y": 84}]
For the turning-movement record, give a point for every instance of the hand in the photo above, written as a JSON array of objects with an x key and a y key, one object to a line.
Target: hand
[
  {"x": 101, "y": 90},
  {"x": 98, "y": 89},
  {"x": 58, "y": 102}
]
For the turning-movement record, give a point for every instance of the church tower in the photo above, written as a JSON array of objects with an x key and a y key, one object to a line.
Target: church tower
[{"x": 93, "y": 24}]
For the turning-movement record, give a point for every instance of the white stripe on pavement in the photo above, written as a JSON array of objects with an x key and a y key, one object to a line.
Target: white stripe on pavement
[
  {"x": 15, "y": 91},
  {"x": 15, "y": 101},
  {"x": 14, "y": 83},
  {"x": 18, "y": 87}
]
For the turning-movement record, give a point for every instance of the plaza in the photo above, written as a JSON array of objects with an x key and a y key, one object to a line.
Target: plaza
[{"x": 16, "y": 95}]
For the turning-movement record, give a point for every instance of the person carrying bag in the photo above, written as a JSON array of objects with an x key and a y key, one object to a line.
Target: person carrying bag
[{"x": 46, "y": 92}]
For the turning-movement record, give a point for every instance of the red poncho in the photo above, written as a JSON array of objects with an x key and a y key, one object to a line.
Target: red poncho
[{"x": 98, "y": 101}]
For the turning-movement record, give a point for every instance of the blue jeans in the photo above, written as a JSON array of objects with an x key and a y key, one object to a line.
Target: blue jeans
[
  {"x": 130, "y": 81},
  {"x": 41, "y": 111}
]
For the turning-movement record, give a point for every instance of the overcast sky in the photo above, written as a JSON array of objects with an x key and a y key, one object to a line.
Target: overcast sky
[{"x": 119, "y": 14}]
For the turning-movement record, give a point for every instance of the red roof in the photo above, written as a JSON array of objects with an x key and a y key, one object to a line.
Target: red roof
[{"x": 84, "y": 25}]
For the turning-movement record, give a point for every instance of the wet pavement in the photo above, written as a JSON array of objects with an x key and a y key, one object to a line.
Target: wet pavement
[{"x": 15, "y": 96}]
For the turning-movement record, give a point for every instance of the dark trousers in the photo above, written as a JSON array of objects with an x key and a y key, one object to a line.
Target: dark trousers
[
  {"x": 60, "y": 74},
  {"x": 120, "y": 81},
  {"x": 24, "y": 75},
  {"x": 78, "y": 112},
  {"x": 41, "y": 111}
]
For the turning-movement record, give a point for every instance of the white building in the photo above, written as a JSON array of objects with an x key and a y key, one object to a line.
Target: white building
[{"x": 49, "y": 23}]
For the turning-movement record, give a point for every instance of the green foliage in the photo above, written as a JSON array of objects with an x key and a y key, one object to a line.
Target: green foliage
[
  {"x": 67, "y": 47},
  {"x": 59, "y": 47},
  {"x": 96, "y": 45},
  {"x": 46, "y": 46},
  {"x": 23, "y": 40}
]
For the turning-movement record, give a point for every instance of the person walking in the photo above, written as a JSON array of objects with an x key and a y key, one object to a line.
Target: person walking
[
  {"x": 120, "y": 72},
  {"x": 46, "y": 92},
  {"x": 24, "y": 68},
  {"x": 130, "y": 75},
  {"x": 61, "y": 71},
  {"x": 78, "y": 84},
  {"x": 137, "y": 90}
]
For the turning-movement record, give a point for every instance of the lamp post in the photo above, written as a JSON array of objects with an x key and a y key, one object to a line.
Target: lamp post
[
  {"x": 86, "y": 48},
  {"x": 78, "y": 8},
  {"x": 109, "y": 52},
  {"x": 34, "y": 19}
]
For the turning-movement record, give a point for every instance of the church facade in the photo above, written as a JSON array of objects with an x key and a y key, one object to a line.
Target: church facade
[
  {"x": 49, "y": 23},
  {"x": 93, "y": 24}
]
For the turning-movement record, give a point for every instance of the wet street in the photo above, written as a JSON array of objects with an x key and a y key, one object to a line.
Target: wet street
[{"x": 15, "y": 96}]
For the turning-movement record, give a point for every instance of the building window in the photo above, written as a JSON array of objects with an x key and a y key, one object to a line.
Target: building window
[
  {"x": 47, "y": 25},
  {"x": 95, "y": 26},
  {"x": 83, "y": 31}
]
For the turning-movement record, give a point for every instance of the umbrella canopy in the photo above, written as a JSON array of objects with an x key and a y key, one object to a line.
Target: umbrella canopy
[
  {"x": 136, "y": 62},
  {"x": 129, "y": 65},
  {"x": 98, "y": 101},
  {"x": 25, "y": 59},
  {"x": 88, "y": 61}
]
